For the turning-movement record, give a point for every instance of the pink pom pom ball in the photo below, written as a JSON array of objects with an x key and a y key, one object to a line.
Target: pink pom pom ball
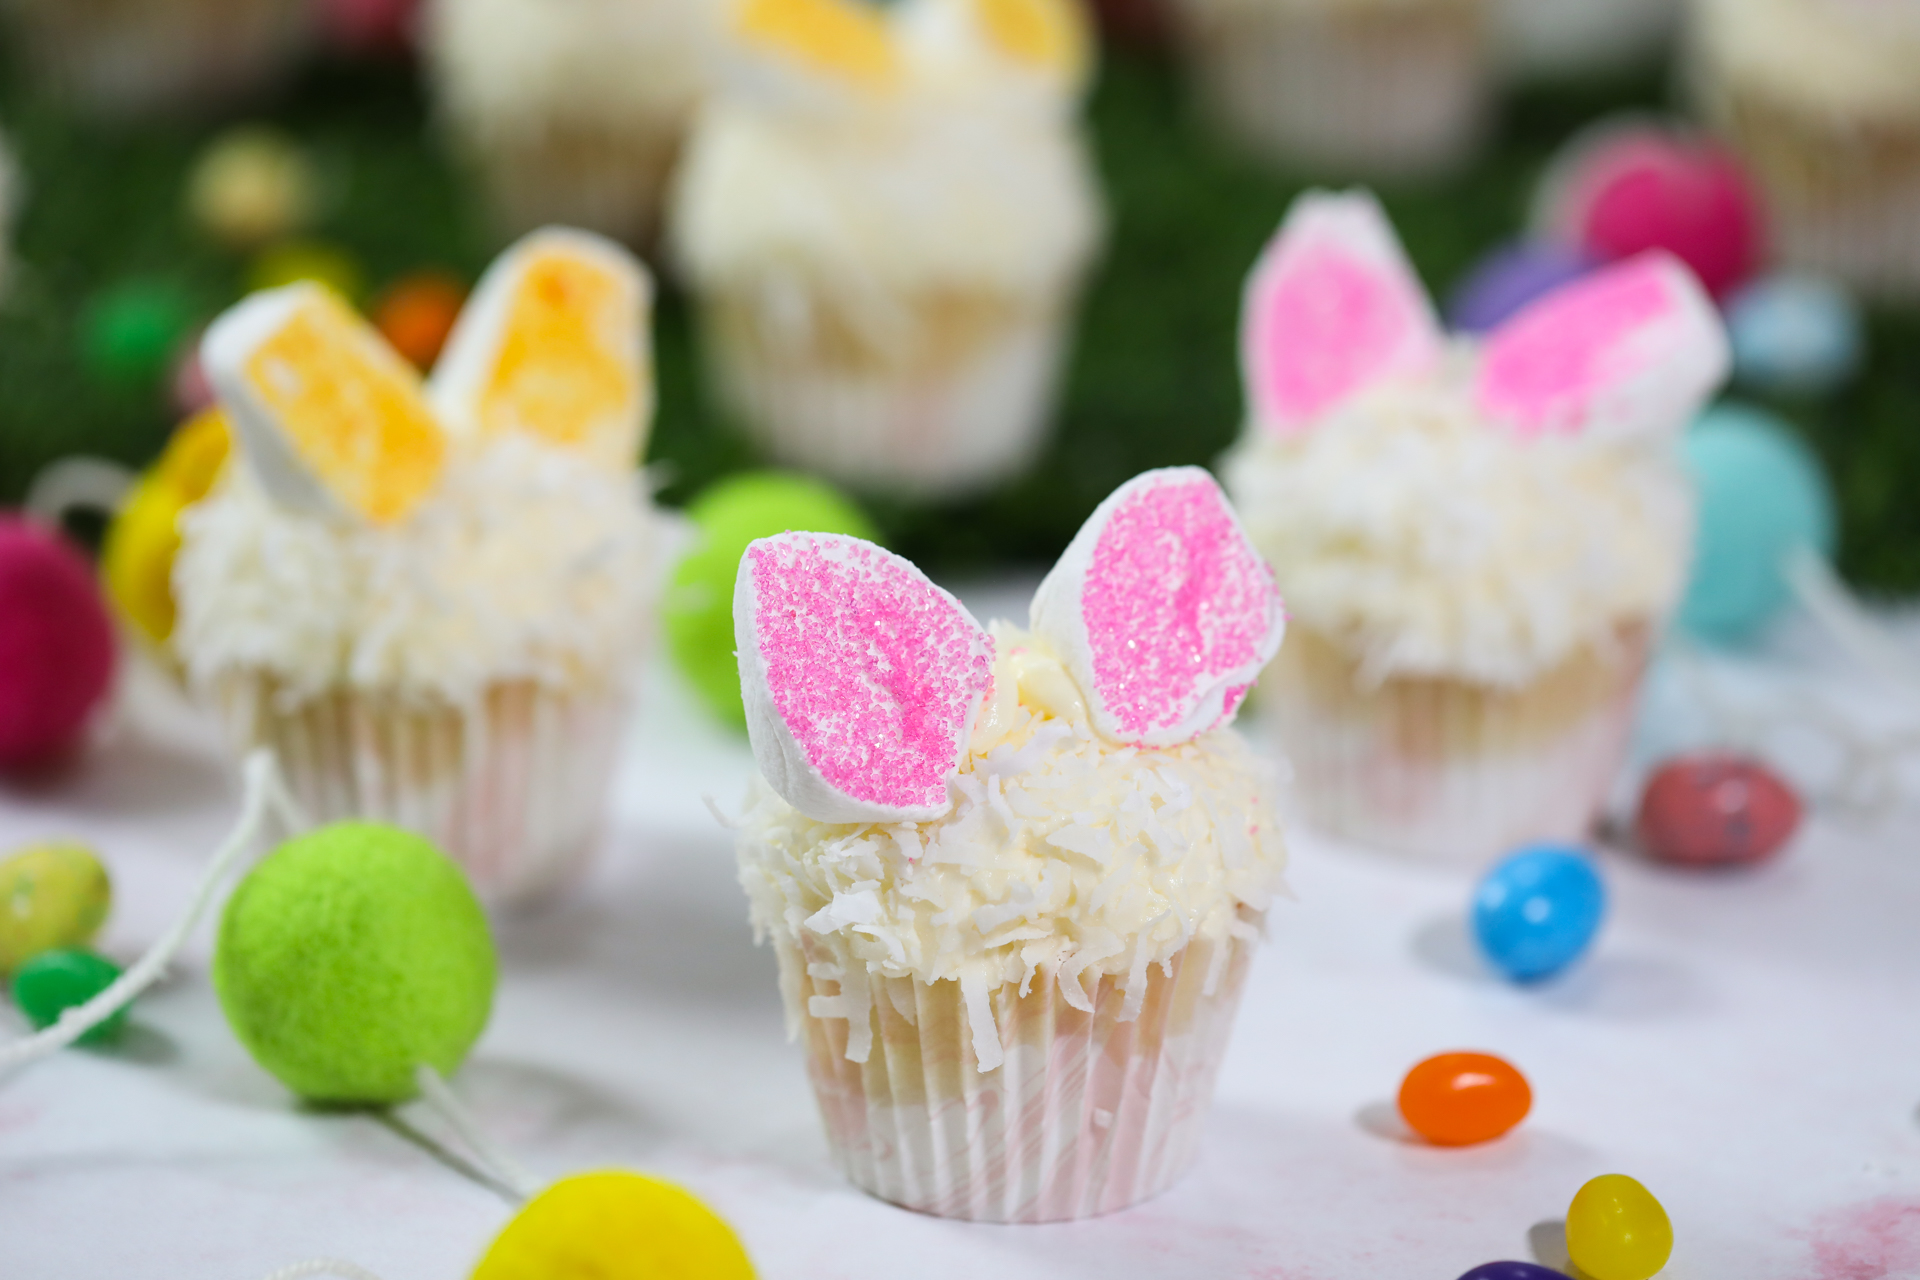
[
  {"x": 56, "y": 645},
  {"x": 1621, "y": 189}
]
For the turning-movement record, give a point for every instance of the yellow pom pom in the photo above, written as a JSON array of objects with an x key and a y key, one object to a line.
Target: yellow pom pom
[
  {"x": 615, "y": 1226},
  {"x": 846, "y": 38},
  {"x": 136, "y": 561}
]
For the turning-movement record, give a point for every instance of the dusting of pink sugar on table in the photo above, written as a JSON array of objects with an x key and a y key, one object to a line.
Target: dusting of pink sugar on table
[{"x": 875, "y": 671}]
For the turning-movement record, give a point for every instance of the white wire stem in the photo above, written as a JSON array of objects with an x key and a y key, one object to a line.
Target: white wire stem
[
  {"x": 503, "y": 1168},
  {"x": 1823, "y": 595},
  {"x": 264, "y": 794},
  {"x": 324, "y": 1267},
  {"x": 86, "y": 484}
]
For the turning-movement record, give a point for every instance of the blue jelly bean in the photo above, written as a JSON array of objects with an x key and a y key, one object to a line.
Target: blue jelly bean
[
  {"x": 1513, "y": 1271},
  {"x": 1535, "y": 913}
]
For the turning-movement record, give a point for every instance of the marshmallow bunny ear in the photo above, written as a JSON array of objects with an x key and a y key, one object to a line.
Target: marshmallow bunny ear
[
  {"x": 1332, "y": 307},
  {"x": 1161, "y": 609},
  {"x": 1048, "y": 36},
  {"x": 861, "y": 678},
  {"x": 331, "y": 419},
  {"x": 843, "y": 40},
  {"x": 553, "y": 343},
  {"x": 1633, "y": 349}
]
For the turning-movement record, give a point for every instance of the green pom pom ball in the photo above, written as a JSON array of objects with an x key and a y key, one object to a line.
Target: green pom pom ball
[
  {"x": 728, "y": 516},
  {"x": 351, "y": 956}
]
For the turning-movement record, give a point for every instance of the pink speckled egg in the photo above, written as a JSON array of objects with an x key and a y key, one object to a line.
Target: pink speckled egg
[
  {"x": 1622, "y": 189},
  {"x": 56, "y": 645},
  {"x": 1716, "y": 809}
]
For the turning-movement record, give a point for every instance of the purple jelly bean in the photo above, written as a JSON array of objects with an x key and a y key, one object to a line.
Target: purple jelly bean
[
  {"x": 1508, "y": 279},
  {"x": 1512, "y": 1271}
]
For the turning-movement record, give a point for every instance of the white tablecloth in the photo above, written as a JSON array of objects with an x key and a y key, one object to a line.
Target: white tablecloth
[{"x": 1747, "y": 1045}]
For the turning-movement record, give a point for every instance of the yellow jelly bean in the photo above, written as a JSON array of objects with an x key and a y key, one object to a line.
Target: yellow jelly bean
[
  {"x": 52, "y": 896},
  {"x": 615, "y": 1226},
  {"x": 844, "y": 37},
  {"x": 136, "y": 560},
  {"x": 1616, "y": 1230}
]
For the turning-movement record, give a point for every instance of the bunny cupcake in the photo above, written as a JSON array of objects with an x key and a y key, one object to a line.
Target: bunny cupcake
[
  {"x": 886, "y": 214},
  {"x": 571, "y": 112},
  {"x": 1821, "y": 98},
  {"x": 1013, "y": 878},
  {"x": 428, "y": 599},
  {"x": 127, "y": 57},
  {"x": 1479, "y": 539},
  {"x": 1377, "y": 88}
]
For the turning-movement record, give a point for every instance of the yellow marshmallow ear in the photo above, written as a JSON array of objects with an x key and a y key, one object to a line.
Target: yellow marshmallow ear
[
  {"x": 848, "y": 40},
  {"x": 332, "y": 420},
  {"x": 1049, "y": 36},
  {"x": 554, "y": 343}
]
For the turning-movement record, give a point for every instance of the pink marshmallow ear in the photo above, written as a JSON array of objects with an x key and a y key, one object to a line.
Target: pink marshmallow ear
[
  {"x": 861, "y": 677},
  {"x": 1332, "y": 307},
  {"x": 1634, "y": 349},
  {"x": 1161, "y": 609}
]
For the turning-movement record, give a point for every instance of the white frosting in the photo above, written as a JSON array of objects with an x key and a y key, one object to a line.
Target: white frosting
[
  {"x": 528, "y": 562},
  {"x": 1064, "y": 856},
  {"x": 968, "y": 175},
  {"x": 1858, "y": 59},
  {"x": 517, "y": 68},
  {"x": 1435, "y": 544}
]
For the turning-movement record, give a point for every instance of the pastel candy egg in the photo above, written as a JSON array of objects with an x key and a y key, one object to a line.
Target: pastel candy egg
[
  {"x": 615, "y": 1226},
  {"x": 52, "y": 896},
  {"x": 1510, "y": 277},
  {"x": 1616, "y": 1230},
  {"x": 1716, "y": 809},
  {"x": 1537, "y": 911},
  {"x": 1620, "y": 189},
  {"x": 418, "y": 313},
  {"x": 1795, "y": 333},
  {"x": 55, "y": 981},
  {"x": 727, "y": 517},
  {"x": 351, "y": 956},
  {"x": 136, "y": 558},
  {"x": 252, "y": 184},
  {"x": 56, "y": 645},
  {"x": 1461, "y": 1099},
  {"x": 1512, "y": 1271},
  {"x": 1762, "y": 494}
]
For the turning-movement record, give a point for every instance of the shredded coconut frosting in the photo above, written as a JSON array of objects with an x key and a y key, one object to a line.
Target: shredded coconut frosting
[
  {"x": 1064, "y": 855},
  {"x": 1435, "y": 544},
  {"x": 529, "y": 562}
]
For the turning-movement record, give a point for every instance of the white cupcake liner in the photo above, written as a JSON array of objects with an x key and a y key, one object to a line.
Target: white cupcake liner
[
  {"x": 125, "y": 57},
  {"x": 1394, "y": 91},
  {"x": 512, "y": 789},
  {"x": 607, "y": 179},
  {"x": 1087, "y": 1114},
  {"x": 940, "y": 415},
  {"x": 1446, "y": 769}
]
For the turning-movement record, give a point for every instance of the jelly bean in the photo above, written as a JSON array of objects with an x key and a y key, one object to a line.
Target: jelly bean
[
  {"x": 55, "y": 981},
  {"x": 313, "y": 260},
  {"x": 130, "y": 331},
  {"x": 1795, "y": 333},
  {"x": 1510, "y": 277},
  {"x": 51, "y": 895},
  {"x": 1512, "y": 1271},
  {"x": 1458, "y": 1099},
  {"x": 1715, "y": 809},
  {"x": 417, "y": 314},
  {"x": 252, "y": 184},
  {"x": 1537, "y": 911},
  {"x": 1616, "y": 1230}
]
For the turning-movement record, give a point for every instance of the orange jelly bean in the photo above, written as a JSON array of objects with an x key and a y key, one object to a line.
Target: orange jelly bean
[
  {"x": 417, "y": 314},
  {"x": 1458, "y": 1099}
]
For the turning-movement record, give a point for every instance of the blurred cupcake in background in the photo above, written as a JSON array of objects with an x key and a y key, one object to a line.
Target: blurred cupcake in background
[
  {"x": 571, "y": 112},
  {"x": 1478, "y": 540},
  {"x": 1353, "y": 88},
  {"x": 128, "y": 57},
  {"x": 886, "y": 215},
  {"x": 1822, "y": 99},
  {"x": 429, "y": 600},
  {"x": 1547, "y": 39}
]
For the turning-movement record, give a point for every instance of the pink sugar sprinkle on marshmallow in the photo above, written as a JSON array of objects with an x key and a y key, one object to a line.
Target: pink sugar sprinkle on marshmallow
[
  {"x": 861, "y": 678},
  {"x": 1161, "y": 609},
  {"x": 1332, "y": 307},
  {"x": 1634, "y": 349}
]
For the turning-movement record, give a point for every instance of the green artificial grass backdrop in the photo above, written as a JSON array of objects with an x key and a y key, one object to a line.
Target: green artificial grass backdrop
[{"x": 1152, "y": 382}]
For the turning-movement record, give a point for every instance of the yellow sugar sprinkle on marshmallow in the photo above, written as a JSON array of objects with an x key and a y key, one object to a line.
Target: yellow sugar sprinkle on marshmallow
[
  {"x": 565, "y": 371},
  {"x": 1044, "y": 33},
  {"x": 352, "y": 411},
  {"x": 846, "y": 38}
]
